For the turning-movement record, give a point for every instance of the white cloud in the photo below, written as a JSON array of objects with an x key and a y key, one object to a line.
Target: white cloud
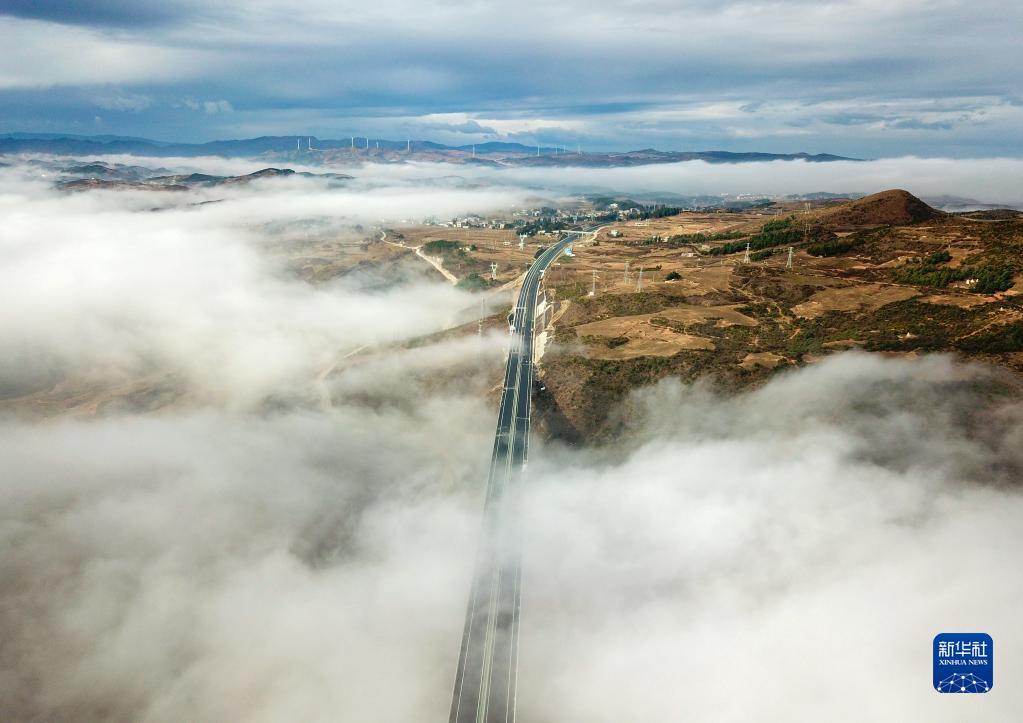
[
  {"x": 502, "y": 126},
  {"x": 739, "y": 561},
  {"x": 208, "y": 306},
  {"x": 39, "y": 55},
  {"x": 217, "y": 106},
  {"x": 763, "y": 556},
  {"x": 264, "y": 548},
  {"x": 614, "y": 70},
  {"x": 126, "y": 102},
  {"x": 990, "y": 180}
]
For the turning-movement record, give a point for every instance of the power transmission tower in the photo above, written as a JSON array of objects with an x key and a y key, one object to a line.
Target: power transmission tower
[
  {"x": 625, "y": 278},
  {"x": 639, "y": 281},
  {"x": 493, "y": 270},
  {"x": 593, "y": 288},
  {"x": 745, "y": 259},
  {"x": 522, "y": 241},
  {"x": 788, "y": 264}
]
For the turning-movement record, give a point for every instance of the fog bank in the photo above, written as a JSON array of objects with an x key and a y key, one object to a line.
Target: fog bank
[
  {"x": 294, "y": 539},
  {"x": 987, "y": 180},
  {"x": 760, "y": 557},
  {"x": 734, "y": 562}
]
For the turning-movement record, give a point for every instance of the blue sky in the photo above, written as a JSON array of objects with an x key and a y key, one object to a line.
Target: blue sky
[{"x": 864, "y": 77}]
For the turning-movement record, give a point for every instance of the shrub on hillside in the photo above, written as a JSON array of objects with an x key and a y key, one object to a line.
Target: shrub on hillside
[
  {"x": 1005, "y": 338},
  {"x": 472, "y": 282},
  {"x": 440, "y": 246}
]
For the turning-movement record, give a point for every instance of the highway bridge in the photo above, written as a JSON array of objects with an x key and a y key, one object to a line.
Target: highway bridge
[{"x": 484, "y": 690}]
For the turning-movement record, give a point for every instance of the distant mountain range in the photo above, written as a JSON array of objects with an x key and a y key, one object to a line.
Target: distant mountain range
[
  {"x": 314, "y": 150},
  {"x": 91, "y": 176}
]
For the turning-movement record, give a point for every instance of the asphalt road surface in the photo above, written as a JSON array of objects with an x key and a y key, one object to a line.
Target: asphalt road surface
[{"x": 488, "y": 662}]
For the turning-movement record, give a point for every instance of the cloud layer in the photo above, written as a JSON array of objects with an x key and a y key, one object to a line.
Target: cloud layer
[
  {"x": 100, "y": 287},
  {"x": 295, "y": 539},
  {"x": 205, "y": 566},
  {"x": 856, "y": 77},
  {"x": 763, "y": 557},
  {"x": 989, "y": 180}
]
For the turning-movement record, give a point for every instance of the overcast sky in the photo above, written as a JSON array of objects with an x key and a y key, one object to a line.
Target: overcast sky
[{"x": 867, "y": 78}]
